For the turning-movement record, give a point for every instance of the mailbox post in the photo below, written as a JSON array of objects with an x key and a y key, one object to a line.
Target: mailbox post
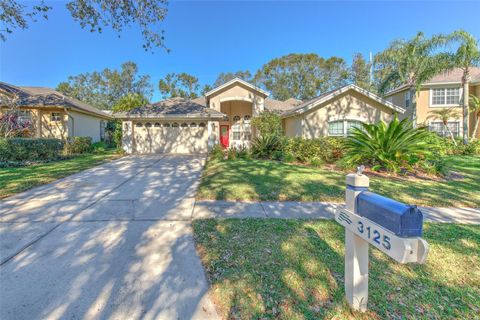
[
  {"x": 370, "y": 219},
  {"x": 356, "y": 249}
]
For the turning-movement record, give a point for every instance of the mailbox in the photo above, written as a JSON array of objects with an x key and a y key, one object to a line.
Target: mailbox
[{"x": 401, "y": 219}]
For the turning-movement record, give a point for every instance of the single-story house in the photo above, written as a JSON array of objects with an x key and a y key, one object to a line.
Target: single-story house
[
  {"x": 223, "y": 116},
  {"x": 52, "y": 114}
]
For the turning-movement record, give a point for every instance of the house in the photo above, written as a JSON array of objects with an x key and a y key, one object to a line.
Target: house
[
  {"x": 224, "y": 116},
  {"x": 52, "y": 114},
  {"x": 442, "y": 91}
]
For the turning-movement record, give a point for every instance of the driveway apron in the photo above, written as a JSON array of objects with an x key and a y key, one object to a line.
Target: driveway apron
[{"x": 112, "y": 242}]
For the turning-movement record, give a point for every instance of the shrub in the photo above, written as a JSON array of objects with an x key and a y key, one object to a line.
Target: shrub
[
  {"x": 217, "y": 152},
  {"x": 472, "y": 148},
  {"x": 327, "y": 149},
  {"x": 268, "y": 123},
  {"x": 78, "y": 145},
  {"x": 99, "y": 147},
  {"x": 389, "y": 146},
  {"x": 30, "y": 149},
  {"x": 265, "y": 147}
]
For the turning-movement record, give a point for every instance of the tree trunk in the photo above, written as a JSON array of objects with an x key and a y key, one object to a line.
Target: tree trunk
[
  {"x": 413, "y": 104},
  {"x": 451, "y": 133},
  {"x": 466, "y": 82},
  {"x": 475, "y": 129}
]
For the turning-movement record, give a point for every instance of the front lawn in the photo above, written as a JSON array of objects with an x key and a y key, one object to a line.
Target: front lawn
[
  {"x": 272, "y": 180},
  {"x": 14, "y": 180},
  {"x": 294, "y": 269}
]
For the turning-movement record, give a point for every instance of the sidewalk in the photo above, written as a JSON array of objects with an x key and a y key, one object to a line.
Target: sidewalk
[{"x": 312, "y": 210}]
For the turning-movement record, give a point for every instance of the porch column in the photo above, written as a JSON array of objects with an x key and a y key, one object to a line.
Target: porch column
[{"x": 127, "y": 136}]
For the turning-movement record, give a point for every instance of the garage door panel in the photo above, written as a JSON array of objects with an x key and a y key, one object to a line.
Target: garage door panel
[{"x": 170, "y": 140}]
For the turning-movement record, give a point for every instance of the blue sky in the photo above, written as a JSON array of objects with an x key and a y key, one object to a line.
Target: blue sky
[{"x": 207, "y": 38}]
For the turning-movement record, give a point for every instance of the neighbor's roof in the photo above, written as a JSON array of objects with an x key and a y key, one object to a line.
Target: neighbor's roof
[
  {"x": 327, "y": 96},
  {"x": 171, "y": 108},
  {"x": 237, "y": 80},
  {"x": 453, "y": 76},
  {"x": 48, "y": 98}
]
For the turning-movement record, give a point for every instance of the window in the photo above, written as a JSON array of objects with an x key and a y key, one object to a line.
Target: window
[
  {"x": 175, "y": 125},
  {"x": 247, "y": 131},
  {"x": 166, "y": 125},
  {"x": 55, "y": 116},
  {"x": 148, "y": 125},
  {"x": 407, "y": 99},
  {"x": 236, "y": 119},
  {"x": 445, "y": 96},
  {"x": 157, "y": 125},
  {"x": 25, "y": 116},
  {"x": 236, "y": 132},
  {"x": 184, "y": 125},
  {"x": 246, "y": 118},
  {"x": 342, "y": 127},
  {"x": 202, "y": 125},
  {"x": 439, "y": 128},
  {"x": 353, "y": 124},
  {"x": 335, "y": 128},
  {"x": 138, "y": 124},
  {"x": 193, "y": 125}
]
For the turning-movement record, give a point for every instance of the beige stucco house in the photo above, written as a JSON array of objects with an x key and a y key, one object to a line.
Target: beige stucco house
[
  {"x": 443, "y": 91},
  {"x": 52, "y": 114},
  {"x": 223, "y": 116}
]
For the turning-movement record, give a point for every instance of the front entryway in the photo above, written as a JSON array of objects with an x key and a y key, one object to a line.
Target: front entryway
[{"x": 224, "y": 133}]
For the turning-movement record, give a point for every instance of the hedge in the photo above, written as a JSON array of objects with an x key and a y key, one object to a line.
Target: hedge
[
  {"x": 30, "y": 149},
  {"x": 327, "y": 149},
  {"x": 78, "y": 145}
]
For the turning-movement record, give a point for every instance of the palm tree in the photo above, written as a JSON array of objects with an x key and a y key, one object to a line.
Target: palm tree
[
  {"x": 411, "y": 63},
  {"x": 444, "y": 115},
  {"x": 475, "y": 109},
  {"x": 466, "y": 56}
]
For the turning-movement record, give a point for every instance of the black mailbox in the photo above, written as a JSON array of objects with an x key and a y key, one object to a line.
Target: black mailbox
[{"x": 401, "y": 219}]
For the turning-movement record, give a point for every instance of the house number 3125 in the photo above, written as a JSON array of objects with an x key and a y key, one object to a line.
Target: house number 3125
[{"x": 375, "y": 235}]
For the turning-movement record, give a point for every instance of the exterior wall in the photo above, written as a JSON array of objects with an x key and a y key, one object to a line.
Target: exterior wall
[
  {"x": 53, "y": 129},
  {"x": 170, "y": 140},
  {"x": 237, "y": 92},
  {"x": 424, "y": 108},
  {"x": 348, "y": 106},
  {"x": 127, "y": 136},
  {"x": 240, "y": 109},
  {"x": 293, "y": 127},
  {"x": 85, "y": 126}
]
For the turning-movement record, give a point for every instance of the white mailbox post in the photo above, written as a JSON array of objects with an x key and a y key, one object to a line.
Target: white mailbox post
[{"x": 360, "y": 232}]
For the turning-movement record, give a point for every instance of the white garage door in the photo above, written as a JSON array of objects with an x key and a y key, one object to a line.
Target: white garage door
[{"x": 170, "y": 137}]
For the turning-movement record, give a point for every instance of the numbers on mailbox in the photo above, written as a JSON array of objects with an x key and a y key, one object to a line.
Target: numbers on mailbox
[{"x": 385, "y": 240}]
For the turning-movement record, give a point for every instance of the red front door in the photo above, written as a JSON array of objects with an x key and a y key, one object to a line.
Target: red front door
[{"x": 224, "y": 136}]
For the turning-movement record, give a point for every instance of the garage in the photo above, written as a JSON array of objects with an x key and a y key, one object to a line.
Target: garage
[
  {"x": 170, "y": 137},
  {"x": 174, "y": 125}
]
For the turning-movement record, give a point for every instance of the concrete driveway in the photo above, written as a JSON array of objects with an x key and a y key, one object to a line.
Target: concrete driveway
[{"x": 113, "y": 242}]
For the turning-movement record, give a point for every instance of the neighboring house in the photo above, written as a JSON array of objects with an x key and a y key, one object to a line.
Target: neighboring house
[
  {"x": 54, "y": 115},
  {"x": 441, "y": 92},
  {"x": 224, "y": 116}
]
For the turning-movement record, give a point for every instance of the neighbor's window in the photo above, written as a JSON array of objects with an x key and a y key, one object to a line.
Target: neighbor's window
[
  {"x": 148, "y": 125},
  {"x": 439, "y": 128},
  {"x": 407, "y": 99},
  {"x": 193, "y": 125},
  {"x": 55, "y": 116},
  {"x": 157, "y": 125},
  {"x": 445, "y": 96},
  {"x": 184, "y": 125},
  {"x": 335, "y": 128},
  {"x": 138, "y": 124},
  {"x": 202, "y": 125},
  {"x": 166, "y": 125},
  {"x": 175, "y": 125}
]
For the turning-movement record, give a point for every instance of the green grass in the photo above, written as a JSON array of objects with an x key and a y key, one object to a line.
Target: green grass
[
  {"x": 271, "y": 180},
  {"x": 293, "y": 269},
  {"x": 14, "y": 180}
]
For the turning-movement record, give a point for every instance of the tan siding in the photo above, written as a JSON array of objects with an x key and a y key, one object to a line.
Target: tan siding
[
  {"x": 53, "y": 129},
  {"x": 350, "y": 106},
  {"x": 85, "y": 126},
  {"x": 293, "y": 127}
]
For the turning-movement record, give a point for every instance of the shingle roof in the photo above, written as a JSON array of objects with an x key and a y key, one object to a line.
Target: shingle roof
[
  {"x": 46, "y": 97},
  {"x": 281, "y": 106},
  {"x": 173, "y": 107}
]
